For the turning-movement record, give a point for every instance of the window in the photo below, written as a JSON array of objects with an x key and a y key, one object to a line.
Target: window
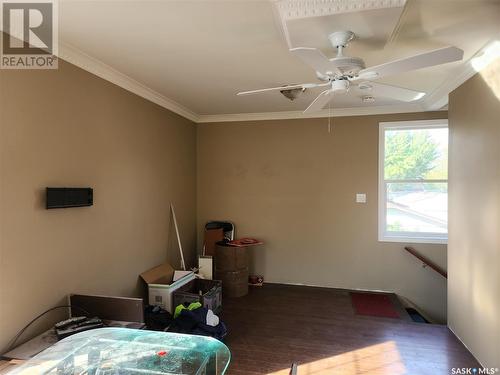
[{"x": 413, "y": 181}]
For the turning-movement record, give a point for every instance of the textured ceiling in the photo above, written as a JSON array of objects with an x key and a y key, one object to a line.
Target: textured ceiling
[{"x": 200, "y": 53}]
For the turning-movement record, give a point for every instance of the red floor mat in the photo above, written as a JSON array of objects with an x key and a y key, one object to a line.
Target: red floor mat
[{"x": 374, "y": 305}]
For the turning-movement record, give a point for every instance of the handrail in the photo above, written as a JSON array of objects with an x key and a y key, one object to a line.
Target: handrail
[{"x": 426, "y": 262}]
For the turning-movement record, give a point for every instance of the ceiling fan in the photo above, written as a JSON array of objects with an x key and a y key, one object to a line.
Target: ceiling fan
[{"x": 340, "y": 73}]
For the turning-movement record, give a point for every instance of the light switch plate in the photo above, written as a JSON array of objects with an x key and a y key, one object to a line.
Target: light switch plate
[{"x": 360, "y": 198}]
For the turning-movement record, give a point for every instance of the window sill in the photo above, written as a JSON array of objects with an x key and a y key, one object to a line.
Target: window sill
[{"x": 407, "y": 240}]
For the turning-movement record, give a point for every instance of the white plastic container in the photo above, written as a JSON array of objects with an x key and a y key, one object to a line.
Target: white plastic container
[{"x": 162, "y": 282}]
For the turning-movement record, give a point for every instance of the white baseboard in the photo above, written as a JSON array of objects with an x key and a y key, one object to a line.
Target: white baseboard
[{"x": 329, "y": 287}]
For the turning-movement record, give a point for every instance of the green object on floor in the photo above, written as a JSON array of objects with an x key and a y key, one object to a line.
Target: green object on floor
[{"x": 192, "y": 306}]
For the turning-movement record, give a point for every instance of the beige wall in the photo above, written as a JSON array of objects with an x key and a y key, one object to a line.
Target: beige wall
[
  {"x": 292, "y": 184},
  {"x": 70, "y": 128},
  {"x": 474, "y": 246}
]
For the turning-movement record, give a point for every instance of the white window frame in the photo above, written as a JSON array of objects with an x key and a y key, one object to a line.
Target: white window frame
[{"x": 403, "y": 237}]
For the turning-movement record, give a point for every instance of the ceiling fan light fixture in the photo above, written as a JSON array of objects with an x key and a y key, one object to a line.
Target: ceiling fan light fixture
[{"x": 340, "y": 85}]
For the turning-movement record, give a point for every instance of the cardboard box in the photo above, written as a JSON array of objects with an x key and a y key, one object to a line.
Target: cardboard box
[{"x": 162, "y": 281}]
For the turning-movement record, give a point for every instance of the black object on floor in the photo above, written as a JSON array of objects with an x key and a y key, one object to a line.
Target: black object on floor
[
  {"x": 157, "y": 319},
  {"x": 194, "y": 322},
  {"x": 415, "y": 315}
]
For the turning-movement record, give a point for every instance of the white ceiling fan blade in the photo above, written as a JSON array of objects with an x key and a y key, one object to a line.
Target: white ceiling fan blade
[
  {"x": 315, "y": 59},
  {"x": 389, "y": 91},
  {"x": 423, "y": 60},
  {"x": 319, "y": 103},
  {"x": 280, "y": 88}
]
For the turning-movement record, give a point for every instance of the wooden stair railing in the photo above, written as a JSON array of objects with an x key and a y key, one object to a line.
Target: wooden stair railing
[{"x": 426, "y": 262}]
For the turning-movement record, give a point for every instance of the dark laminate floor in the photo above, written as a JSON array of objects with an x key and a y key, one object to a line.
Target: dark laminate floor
[{"x": 276, "y": 325}]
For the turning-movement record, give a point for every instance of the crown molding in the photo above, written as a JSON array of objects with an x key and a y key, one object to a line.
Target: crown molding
[
  {"x": 439, "y": 97},
  {"x": 104, "y": 71},
  {"x": 437, "y": 100},
  {"x": 335, "y": 112},
  {"x": 78, "y": 58}
]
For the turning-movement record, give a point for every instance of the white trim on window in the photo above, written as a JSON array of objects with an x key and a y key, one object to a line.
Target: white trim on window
[{"x": 403, "y": 237}]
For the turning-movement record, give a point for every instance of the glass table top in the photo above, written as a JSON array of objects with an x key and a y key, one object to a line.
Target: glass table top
[{"x": 123, "y": 351}]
